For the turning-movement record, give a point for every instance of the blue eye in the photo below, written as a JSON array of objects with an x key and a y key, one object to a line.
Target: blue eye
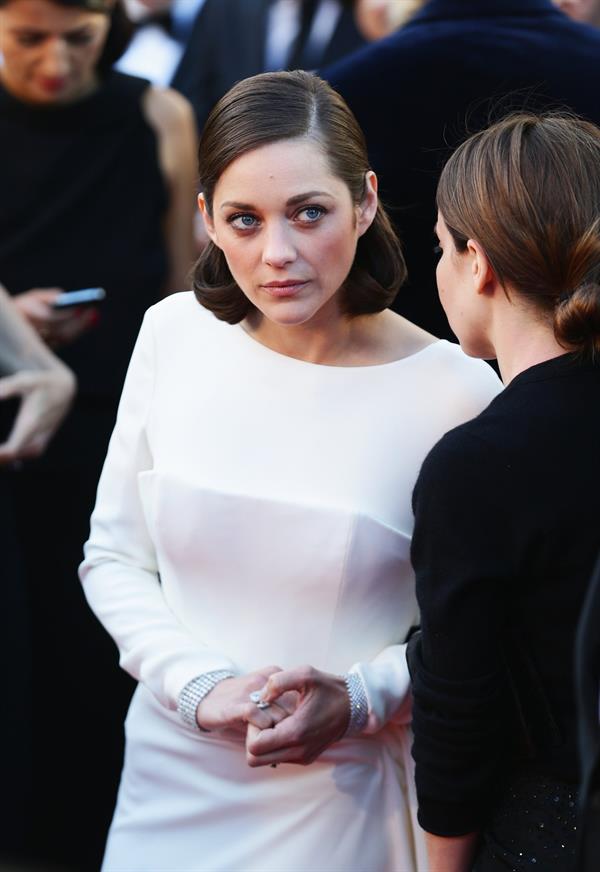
[
  {"x": 311, "y": 213},
  {"x": 242, "y": 221}
]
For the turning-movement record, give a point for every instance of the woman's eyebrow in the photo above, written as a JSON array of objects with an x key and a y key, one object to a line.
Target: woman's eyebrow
[
  {"x": 299, "y": 198},
  {"x": 235, "y": 205}
]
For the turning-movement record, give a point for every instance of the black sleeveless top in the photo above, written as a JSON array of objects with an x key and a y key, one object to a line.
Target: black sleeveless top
[{"x": 82, "y": 205}]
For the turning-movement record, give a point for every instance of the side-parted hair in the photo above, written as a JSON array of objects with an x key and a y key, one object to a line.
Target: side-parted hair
[
  {"x": 119, "y": 33},
  {"x": 528, "y": 190},
  {"x": 269, "y": 108}
]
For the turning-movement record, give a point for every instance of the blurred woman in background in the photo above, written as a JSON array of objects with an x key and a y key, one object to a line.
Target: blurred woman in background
[{"x": 97, "y": 183}]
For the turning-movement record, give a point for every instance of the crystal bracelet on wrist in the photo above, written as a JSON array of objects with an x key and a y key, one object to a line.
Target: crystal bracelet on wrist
[
  {"x": 194, "y": 692},
  {"x": 359, "y": 705}
]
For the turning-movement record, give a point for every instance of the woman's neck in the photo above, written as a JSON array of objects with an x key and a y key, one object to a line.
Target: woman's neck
[
  {"x": 523, "y": 341},
  {"x": 328, "y": 341}
]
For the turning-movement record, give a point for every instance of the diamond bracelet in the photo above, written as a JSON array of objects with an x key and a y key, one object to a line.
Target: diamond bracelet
[
  {"x": 359, "y": 705},
  {"x": 194, "y": 692}
]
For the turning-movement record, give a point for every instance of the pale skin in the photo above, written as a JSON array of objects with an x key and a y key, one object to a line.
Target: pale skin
[
  {"x": 376, "y": 19},
  {"x": 50, "y": 56},
  {"x": 490, "y": 323},
  {"x": 586, "y": 11},
  {"x": 289, "y": 228},
  {"x": 37, "y": 378}
]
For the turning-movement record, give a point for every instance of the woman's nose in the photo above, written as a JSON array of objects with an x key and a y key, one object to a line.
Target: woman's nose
[
  {"x": 279, "y": 249},
  {"x": 56, "y": 61}
]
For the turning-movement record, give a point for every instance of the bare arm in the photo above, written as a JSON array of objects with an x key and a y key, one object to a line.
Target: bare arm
[
  {"x": 42, "y": 382},
  {"x": 450, "y": 853},
  {"x": 171, "y": 117}
]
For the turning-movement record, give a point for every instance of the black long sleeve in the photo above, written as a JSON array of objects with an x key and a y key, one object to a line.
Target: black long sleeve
[{"x": 506, "y": 532}]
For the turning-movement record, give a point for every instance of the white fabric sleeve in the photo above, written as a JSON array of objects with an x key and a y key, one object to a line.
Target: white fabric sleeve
[
  {"x": 386, "y": 681},
  {"x": 120, "y": 573}
]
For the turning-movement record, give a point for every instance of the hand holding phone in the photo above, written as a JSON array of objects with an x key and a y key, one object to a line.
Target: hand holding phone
[
  {"x": 57, "y": 325},
  {"x": 82, "y": 297}
]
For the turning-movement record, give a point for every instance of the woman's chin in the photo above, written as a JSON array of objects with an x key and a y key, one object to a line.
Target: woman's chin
[{"x": 288, "y": 313}]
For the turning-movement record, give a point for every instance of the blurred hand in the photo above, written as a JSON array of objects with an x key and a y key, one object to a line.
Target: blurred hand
[
  {"x": 45, "y": 398},
  {"x": 319, "y": 719},
  {"x": 228, "y": 704},
  {"x": 55, "y": 327}
]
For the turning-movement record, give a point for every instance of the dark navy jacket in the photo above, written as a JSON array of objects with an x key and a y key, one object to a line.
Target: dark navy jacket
[{"x": 419, "y": 91}]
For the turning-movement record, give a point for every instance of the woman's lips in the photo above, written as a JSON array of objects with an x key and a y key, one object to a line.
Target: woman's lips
[
  {"x": 284, "y": 289},
  {"x": 53, "y": 86}
]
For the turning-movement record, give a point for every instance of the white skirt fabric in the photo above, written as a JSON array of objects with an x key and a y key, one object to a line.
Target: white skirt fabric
[
  {"x": 189, "y": 803},
  {"x": 255, "y": 509}
]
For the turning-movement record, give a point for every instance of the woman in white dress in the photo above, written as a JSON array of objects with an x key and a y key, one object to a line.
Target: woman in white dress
[{"x": 252, "y": 528}]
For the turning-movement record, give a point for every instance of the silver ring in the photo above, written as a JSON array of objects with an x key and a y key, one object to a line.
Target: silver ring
[{"x": 259, "y": 702}]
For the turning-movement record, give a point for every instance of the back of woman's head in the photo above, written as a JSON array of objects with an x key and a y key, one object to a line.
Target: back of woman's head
[
  {"x": 528, "y": 190},
  {"x": 269, "y": 108}
]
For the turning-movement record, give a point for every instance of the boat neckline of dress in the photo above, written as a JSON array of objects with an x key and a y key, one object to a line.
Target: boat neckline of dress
[{"x": 264, "y": 349}]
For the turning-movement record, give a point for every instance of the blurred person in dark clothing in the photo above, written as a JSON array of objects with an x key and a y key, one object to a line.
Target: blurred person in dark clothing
[
  {"x": 43, "y": 387},
  {"x": 234, "y": 39},
  {"x": 455, "y": 65},
  {"x": 97, "y": 180},
  {"x": 162, "y": 29}
]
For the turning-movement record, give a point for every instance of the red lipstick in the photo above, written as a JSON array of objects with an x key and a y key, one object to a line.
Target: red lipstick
[
  {"x": 284, "y": 288},
  {"x": 53, "y": 85}
]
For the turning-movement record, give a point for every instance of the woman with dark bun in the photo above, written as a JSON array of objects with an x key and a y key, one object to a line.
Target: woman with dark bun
[
  {"x": 97, "y": 182},
  {"x": 506, "y": 506},
  {"x": 249, "y": 550}
]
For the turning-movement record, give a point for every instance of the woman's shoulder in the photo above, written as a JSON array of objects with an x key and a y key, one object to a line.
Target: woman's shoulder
[
  {"x": 179, "y": 321},
  {"x": 455, "y": 365},
  {"x": 181, "y": 309},
  {"x": 166, "y": 110}
]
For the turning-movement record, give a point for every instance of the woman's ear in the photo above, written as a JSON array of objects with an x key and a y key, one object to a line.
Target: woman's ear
[
  {"x": 208, "y": 221},
  {"x": 484, "y": 277},
  {"x": 367, "y": 210}
]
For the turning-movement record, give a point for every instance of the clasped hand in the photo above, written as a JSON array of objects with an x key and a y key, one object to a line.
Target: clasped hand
[
  {"x": 308, "y": 711},
  {"x": 319, "y": 718}
]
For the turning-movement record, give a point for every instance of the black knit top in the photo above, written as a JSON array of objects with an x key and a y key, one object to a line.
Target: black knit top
[
  {"x": 506, "y": 534},
  {"x": 82, "y": 205}
]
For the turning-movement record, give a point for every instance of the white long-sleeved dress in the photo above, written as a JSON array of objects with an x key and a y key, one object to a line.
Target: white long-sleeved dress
[{"x": 255, "y": 509}]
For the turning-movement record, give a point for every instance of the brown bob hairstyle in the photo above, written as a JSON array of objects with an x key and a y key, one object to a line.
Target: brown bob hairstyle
[
  {"x": 289, "y": 105},
  {"x": 528, "y": 190}
]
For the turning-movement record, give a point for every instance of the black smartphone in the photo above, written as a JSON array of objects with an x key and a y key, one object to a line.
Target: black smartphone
[
  {"x": 82, "y": 297},
  {"x": 8, "y": 413}
]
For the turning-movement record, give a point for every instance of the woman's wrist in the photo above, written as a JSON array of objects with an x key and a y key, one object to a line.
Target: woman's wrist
[
  {"x": 194, "y": 692},
  {"x": 359, "y": 704}
]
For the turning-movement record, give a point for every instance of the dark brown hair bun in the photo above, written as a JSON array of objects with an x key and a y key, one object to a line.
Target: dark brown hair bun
[{"x": 577, "y": 319}]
